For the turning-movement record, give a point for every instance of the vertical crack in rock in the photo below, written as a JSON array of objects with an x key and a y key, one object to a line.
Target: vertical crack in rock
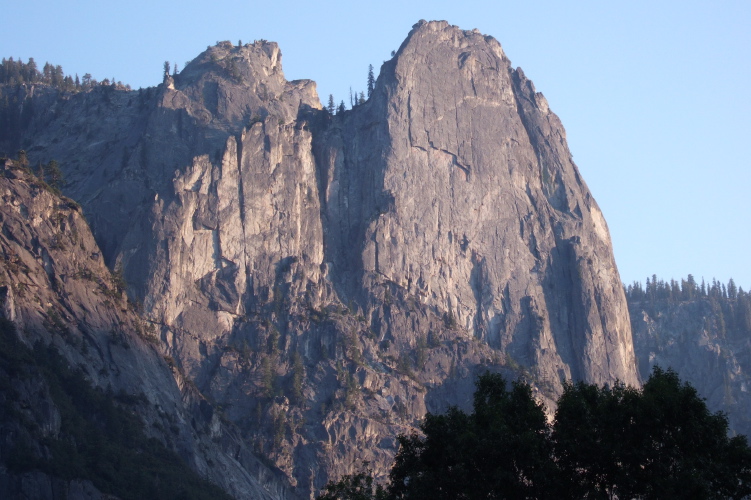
[{"x": 241, "y": 201}]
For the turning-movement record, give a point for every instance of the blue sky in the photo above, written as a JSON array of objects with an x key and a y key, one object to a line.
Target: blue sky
[{"x": 655, "y": 96}]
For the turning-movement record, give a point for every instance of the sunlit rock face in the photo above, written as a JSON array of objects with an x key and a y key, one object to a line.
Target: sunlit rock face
[
  {"x": 323, "y": 281},
  {"x": 466, "y": 197}
]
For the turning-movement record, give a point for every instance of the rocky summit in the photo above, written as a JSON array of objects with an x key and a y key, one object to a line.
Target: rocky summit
[{"x": 312, "y": 283}]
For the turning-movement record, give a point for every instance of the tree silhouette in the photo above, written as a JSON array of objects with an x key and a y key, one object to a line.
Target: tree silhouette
[
  {"x": 371, "y": 80},
  {"x": 656, "y": 442}
]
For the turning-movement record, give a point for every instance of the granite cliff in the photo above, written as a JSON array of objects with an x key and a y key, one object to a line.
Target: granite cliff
[
  {"x": 56, "y": 291},
  {"x": 702, "y": 332},
  {"x": 321, "y": 281}
]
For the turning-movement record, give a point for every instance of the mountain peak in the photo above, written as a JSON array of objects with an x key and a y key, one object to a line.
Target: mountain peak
[
  {"x": 351, "y": 271},
  {"x": 253, "y": 61}
]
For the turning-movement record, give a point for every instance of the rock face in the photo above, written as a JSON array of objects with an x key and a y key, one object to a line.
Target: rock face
[
  {"x": 325, "y": 280},
  {"x": 704, "y": 337},
  {"x": 57, "y": 291},
  {"x": 472, "y": 204}
]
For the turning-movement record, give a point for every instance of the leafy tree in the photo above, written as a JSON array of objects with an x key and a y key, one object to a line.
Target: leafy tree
[
  {"x": 371, "y": 80},
  {"x": 590, "y": 438},
  {"x": 656, "y": 442},
  {"x": 501, "y": 450}
]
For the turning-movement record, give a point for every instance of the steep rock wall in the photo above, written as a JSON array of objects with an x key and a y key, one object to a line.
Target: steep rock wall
[
  {"x": 454, "y": 181},
  {"x": 56, "y": 290},
  {"x": 325, "y": 280}
]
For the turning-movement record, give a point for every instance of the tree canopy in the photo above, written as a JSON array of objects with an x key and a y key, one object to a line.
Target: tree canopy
[{"x": 656, "y": 442}]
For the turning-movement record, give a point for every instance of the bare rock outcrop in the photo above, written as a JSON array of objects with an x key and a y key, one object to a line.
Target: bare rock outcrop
[
  {"x": 326, "y": 280},
  {"x": 57, "y": 291},
  {"x": 470, "y": 202},
  {"x": 703, "y": 336}
]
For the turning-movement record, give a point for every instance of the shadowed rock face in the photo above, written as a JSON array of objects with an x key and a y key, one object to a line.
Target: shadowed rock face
[
  {"x": 706, "y": 341},
  {"x": 56, "y": 289},
  {"x": 326, "y": 280}
]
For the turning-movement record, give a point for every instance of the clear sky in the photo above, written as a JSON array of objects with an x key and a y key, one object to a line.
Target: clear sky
[{"x": 654, "y": 95}]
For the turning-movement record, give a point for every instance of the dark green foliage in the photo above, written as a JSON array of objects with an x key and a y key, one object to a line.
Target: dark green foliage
[
  {"x": 268, "y": 378},
  {"x": 14, "y": 72},
  {"x": 449, "y": 320},
  {"x": 53, "y": 176},
  {"x": 99, "y": 440},
  {"x": 331, "y": 107},
  {"x": 421, "y": 352},
  {"x": 371, "y": 80},
  {"x": 657, "y": 442},
  {"x": 500, "y": 450},
  {"x": 360, "y": 486},
  {"x": 298, "y": 377},
  {"x": 280, "y": 428},
  {"x": 23, "y": 160}
]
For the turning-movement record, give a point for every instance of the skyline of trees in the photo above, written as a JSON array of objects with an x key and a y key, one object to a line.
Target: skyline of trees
[
  {"x": 16, "y": 72},
  {"x": 727, "y": 307}
]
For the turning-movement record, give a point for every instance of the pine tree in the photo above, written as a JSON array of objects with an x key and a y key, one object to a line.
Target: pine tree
[
  {"x": 341, "y": 107},
  {"x": 33, "y": 72},
  {"x": 23, "y": 161},
  {"x": 53, "y": 174},
  {"x": 46, "y": 72},
  {"x": 166, "y": 69},
  {"x": 331, "y": 107},
  {"x": 732, "y": 290},
  {"x": 371, "y": 80},
  {"x": 58, "y": 77}
]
